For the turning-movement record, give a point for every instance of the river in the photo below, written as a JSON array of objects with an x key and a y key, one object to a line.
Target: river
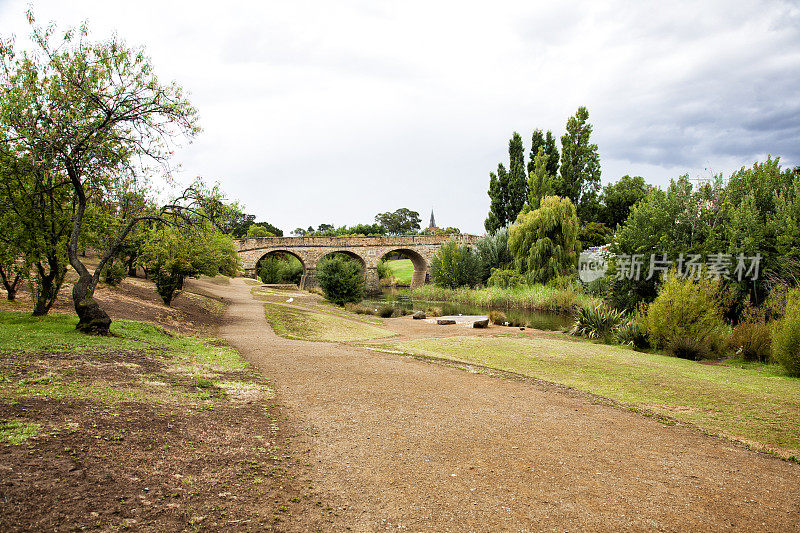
[{"x": 401, "y": 297}]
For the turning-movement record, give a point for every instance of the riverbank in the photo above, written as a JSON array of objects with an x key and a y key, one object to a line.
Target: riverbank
[{"x": 533, "y": 298}]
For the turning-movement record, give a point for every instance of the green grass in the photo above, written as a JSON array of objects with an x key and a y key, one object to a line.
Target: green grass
[
  {"x": 756, "y": 406},
  {"x": 16, "y": 432},
  {"x": 308, "y": 325},
  {"x": 39, "y": 358},
  {"x": 324, "y": 306},
  {"x": 402, "y": 270},
  {"x": 536, "y": 297}
]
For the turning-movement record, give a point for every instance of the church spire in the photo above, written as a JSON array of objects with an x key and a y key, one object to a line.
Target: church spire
[{"x": 432, "y": 225}]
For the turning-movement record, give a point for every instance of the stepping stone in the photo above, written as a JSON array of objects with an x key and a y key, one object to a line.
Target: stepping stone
[{"x": 445, "y": 321}]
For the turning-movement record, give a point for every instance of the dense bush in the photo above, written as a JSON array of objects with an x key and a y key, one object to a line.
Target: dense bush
[
  {"x": 455, "y": 266},
  {"x": 280, "y": 270},
  {"x": 341, "y": 280},
  {"x": 114, "y": 273},
  {"x": 505, "y": 278},
  {"x": 752, "y": 337},
  {"x": 632, "y": 332},
  {"x": 786, "y": 336},
  {"x": 686, "y": 309},
  {"x": 597, "y": 321},
  {"x": 383, "y": 270},
  {"x": 688, "y": 348},
  {"x": 493, "y": 252}
]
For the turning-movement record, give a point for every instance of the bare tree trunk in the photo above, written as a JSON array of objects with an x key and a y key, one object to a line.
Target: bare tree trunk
[
  {"x": 92, "y": 318},
  {"x": 10, "y": 284},
  {"x": 47, "y": 285}
]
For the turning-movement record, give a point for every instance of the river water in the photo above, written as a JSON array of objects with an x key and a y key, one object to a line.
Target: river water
[{"x": 401, "y": 297}]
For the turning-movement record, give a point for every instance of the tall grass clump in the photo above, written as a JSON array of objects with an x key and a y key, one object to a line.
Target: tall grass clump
[
  {"x": 786, "y": 336},
  {"x": 597, "y": 321},
  {"x": 687, "y": 312},
  {"x": 632, "y": 331},
  {"x": 532, "y": 297},
  {"x": 752, "y": 337}
]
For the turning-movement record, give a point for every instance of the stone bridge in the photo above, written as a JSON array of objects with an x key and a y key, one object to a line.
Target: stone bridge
[{"x": 366, "y": 250}]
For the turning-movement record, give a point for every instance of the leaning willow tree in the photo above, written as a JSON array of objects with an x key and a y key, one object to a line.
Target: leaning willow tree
[{"x": 96, "y": 116}]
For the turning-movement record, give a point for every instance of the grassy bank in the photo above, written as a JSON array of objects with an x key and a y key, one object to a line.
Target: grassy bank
[
  {"x": 758, "y": 406},
  {"x": 169, "y": 427},
  {"x": 305, "y": 324},
  {"x": 537, "y": 297},
  {"x": 402, "y": 270}
]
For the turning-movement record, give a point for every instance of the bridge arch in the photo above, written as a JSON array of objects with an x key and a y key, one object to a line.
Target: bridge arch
[
  {"x": 421, "y": 265},
  {"x": 279, "y": 253}
]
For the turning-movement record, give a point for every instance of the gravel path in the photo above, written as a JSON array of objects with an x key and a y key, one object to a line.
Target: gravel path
[{"x": 407, "y": 445}]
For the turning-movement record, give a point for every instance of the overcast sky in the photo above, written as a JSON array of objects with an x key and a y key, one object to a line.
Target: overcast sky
[{"x": 332, "y": 112}]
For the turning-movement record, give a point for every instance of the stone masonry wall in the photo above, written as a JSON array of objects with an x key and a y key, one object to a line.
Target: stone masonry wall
[{"x": 370, "y": 250}]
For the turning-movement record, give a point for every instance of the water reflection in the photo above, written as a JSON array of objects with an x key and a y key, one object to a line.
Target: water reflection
[{"x": 401, "y": 297}]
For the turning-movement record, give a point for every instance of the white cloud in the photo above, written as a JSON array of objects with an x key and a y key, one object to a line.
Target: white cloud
[{"x": 332, "y": 112}]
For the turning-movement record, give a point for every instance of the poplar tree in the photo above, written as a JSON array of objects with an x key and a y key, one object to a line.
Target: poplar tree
[
  {"x": 540, "y": 183},
  {"x": 548, "y": 142},
  {"x": 580, "y": 162},
  {"x": 517, "y": 180}
]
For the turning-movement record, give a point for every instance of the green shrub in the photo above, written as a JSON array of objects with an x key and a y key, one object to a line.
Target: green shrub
[
  {"x": 383, "y": 270},
  {"x": 596, "y": 322},
  {"x": 114, "y": 273},
  {"x": 341, "y": 280},
  {"x": 505, "y": 278},
  {"x": 754, "y": 339},
  {"x": 497, "y": 317},
  {"x": 632, "y": 331},
  {"x": 385, "y": 311},
  {"x": 686, "y": 309},
  {"x": 786, "y": 336},
  {"x": 455, "y": 266},
  {"x": 280, "y": 270},
  {"x": 688, "y": 348}
]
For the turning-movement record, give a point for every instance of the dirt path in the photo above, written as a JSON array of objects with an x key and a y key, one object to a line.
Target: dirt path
[{"x": 407, "y": 445}]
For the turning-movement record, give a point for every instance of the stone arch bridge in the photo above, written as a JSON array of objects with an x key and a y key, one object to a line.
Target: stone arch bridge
[{"x": 366, "y": 250}]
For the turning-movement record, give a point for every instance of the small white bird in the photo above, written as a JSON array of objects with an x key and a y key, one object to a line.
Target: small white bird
[{"x": 290, "y": 300}]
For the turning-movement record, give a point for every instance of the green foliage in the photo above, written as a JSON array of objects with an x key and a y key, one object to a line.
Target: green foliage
[
  {"x": 620, "y": 197},
  {"x": 597, "y": 322},
  {"x": 517, "y": 178},
  {"x": 632, "y": 331},
  {"x": 455, "y": 265},
  {"x": 505, "y": 278},
  {"x": 341, "y": 280},
  {"x": 400, "y": 221},
  {"x": 786, "y": 336},
  {"x": 171, "y": 254},
  {"x": 493, "y": 252},
  {"x": 280, "y": 269},
  {"x": 114, "y": 273},
  {"x": 547, "y": 143},
  {"x": 498, "y": 195},
  {"x": 544, "y": 243},
  {"x": 594, "y": 234},
  {"x": 754, "y": 339},
  {"x": 383, "y": 270},
  {"x": 258, "y": 231},
  {"x": 580, "y": 162},
  {"x": 540, "y": 183},
  {"x": 689, "y": 348},
  {"x": 686, "y": 310}
]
